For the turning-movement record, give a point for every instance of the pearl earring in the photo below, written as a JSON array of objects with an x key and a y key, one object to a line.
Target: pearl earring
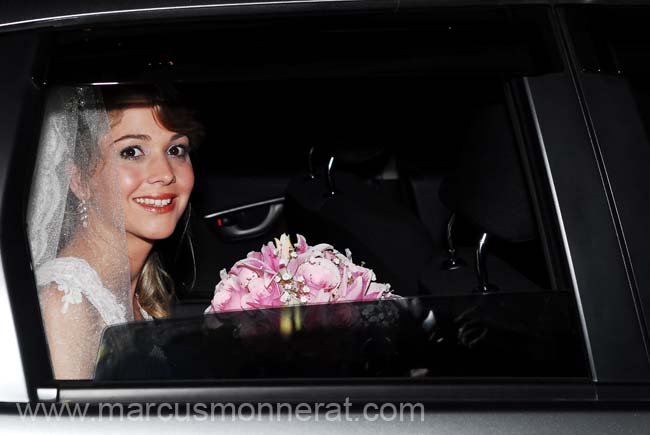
[{"x": 83, "y": 213}]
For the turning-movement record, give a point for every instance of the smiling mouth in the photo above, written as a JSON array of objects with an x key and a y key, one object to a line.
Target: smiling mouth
[
  {"x": 154, "y": 202},
  {"x": 157, "y": 204}
]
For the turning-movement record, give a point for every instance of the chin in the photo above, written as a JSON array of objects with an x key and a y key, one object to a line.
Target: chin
[{"x": 154, "y": 234}]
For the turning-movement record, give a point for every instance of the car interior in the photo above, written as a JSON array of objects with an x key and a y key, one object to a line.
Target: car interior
[
  {"x": 388, "y": 136},
  {"x": 367, "y": 187}
]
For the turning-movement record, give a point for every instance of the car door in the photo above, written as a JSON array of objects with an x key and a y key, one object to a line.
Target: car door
[{"x": 575, "y": 341}]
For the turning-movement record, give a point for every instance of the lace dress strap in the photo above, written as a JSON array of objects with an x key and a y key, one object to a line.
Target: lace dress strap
[{"x": 75, "y": 278}]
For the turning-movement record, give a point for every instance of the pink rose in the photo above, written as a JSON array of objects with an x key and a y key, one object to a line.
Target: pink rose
[
  {"x": 246, "y": 275},
  {"x": 227, "y": 296},
  {"x": 261, "y": 296},
  {"x": 283, "y": 273},
  {"x": 320, "y": 274}
]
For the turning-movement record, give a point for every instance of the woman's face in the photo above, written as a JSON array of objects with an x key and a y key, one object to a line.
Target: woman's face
[{"x": 154, "y": 172}]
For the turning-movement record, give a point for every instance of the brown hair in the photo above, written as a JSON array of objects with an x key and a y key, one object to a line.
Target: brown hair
[
  {"x": 167, "y": 106},
  {"x": 155, "y": 286}
]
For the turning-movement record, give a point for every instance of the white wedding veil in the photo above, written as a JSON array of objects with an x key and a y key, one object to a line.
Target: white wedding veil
[{"x": 76, "y": 229}]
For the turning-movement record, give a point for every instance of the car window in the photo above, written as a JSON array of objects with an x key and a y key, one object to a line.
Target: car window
[
  {"x": 393, "y": 138},
  {"x": 516, "y": 335}
]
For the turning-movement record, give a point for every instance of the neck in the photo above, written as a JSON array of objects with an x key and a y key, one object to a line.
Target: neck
[{"x": 138, "y": 250}]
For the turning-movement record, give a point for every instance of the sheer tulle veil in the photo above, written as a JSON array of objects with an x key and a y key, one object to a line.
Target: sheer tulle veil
[{"x": 76, "y": 221}]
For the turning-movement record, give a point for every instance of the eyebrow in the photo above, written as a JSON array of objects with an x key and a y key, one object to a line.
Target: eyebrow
[
  {"x": 147, "y": 137},
  {"x": 134, "y": 136}
]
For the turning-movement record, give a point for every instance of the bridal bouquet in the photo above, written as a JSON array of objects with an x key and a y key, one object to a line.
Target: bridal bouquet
[{"x": 283, "y": 274}]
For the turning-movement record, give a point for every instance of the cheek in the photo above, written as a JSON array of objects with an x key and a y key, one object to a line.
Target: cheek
[
  {"x": 185, "y": 178},
  {"x": 104, "y": 187},
  {"x": 130, "y": 179}
]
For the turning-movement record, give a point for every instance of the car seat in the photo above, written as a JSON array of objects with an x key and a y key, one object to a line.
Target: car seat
[
  {"x": 487, "y": 192},
  {"x": 342, "y": 208}
]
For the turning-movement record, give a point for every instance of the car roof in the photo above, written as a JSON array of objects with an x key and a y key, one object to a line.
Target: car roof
[{"x": 31, "y": 14}]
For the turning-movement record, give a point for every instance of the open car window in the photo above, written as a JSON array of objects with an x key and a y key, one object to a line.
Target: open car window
[{"x": 394, "y": 136}]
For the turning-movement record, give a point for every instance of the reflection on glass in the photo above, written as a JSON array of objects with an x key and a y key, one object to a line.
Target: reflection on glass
[{"x": 513, "y": 335}]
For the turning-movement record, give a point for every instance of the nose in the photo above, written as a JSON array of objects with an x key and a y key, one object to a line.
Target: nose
[{"x": 161, "y": 172}]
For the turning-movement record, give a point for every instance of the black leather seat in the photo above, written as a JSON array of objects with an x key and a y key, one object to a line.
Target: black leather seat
[
  {"x": 487, "y": 191},
  {"x": 378, "y": 230}
]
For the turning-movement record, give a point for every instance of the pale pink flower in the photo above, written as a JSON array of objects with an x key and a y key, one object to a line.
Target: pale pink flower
[
  {"x": 227, "y": 296},
  {"x": 260, "y": 295},
  {"x": 320, "y": 273},
  {"x": 285, "y": 274}
]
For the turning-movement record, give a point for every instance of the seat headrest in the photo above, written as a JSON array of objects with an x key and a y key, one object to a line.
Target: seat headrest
[
  {"x": 361, "y": 160},
  {"x": 488, "y": 187}
]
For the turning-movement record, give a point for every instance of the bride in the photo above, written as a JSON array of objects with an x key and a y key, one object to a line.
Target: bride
[{"x": 113, "y": 179}]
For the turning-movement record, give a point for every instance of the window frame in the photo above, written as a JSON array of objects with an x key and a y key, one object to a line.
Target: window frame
[{"x": 532, "y": 101}]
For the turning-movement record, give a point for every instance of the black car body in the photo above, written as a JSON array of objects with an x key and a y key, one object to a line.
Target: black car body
[{"x": 570, "y": 79}]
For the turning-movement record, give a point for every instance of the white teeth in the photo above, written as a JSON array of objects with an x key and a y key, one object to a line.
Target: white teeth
[{"x": 154, "y": 202}]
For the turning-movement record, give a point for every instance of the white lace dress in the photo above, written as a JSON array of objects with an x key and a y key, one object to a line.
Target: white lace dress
[{"x": 76, "y": 279}]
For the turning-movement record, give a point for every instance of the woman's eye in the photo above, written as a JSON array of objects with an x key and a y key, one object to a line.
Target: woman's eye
[
  {"x": 177, "y": 150},
  {"x": 131, "y": 153}
]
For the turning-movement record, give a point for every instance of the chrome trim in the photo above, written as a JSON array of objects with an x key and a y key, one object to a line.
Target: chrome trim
[
  {"x": 170, "y": 8},
  {"x": 13, "y": 387},
  {"x": 452, "y": 262},
  {"x": 47, "y": 394},
  {"x": 480, "y": 264},
  {"x": 330, "y": 176},
  {"x": 520, "y": 393},
  {"x": 245, "y": 207},
  {"x": 565, "y": 240}
]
